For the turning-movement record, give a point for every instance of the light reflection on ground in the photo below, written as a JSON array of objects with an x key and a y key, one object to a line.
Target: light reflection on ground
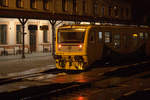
[
  {"x": 70, "y": 98},
  {"x": 82, "y": 98},
  {"x": 81, "y": 78}
]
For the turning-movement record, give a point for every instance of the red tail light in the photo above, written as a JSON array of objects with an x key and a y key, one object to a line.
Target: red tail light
[{"x": 80, "y": 46}]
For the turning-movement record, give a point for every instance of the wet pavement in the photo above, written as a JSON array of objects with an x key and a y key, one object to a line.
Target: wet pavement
[
  {"x": 114, "y": 84},
  {"x": 14, "y": 65},
  {"x": 98, "y": 83}
]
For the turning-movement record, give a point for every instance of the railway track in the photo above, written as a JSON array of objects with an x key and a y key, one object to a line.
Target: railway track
[{"x": 49, "y": 81}]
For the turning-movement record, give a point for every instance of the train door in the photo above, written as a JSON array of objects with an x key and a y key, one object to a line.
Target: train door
[
  {"x": 32, "y": 37},
  {"x": 92, "y": 45},
  {"x": 99, "y": 44}
]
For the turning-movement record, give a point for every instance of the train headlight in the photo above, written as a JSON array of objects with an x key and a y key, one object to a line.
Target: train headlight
[{"x": 59, "y": 46}]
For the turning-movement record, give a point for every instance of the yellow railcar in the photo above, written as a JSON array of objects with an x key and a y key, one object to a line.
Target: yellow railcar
[{"x": 78, "y": 46}]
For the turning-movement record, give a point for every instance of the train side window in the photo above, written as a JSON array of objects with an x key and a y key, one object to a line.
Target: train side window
[
  {"x": 141, "y": 35},
  {"x": 108, "y": 37},
  {"x": 146, "y": 35},
  {"x": 100, "y": 36},
  {"x": 117, "y": 40}
]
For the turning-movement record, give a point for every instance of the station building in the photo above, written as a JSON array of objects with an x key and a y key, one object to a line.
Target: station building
[{"x": 38, "y": 37}]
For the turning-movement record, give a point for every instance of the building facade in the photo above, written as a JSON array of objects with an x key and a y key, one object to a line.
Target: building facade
[
  {"x": 38, "y": 35},
  {"x": 114, "y": 9}
]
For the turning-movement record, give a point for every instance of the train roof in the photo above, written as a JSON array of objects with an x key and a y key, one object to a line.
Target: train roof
[{"x": 103, "y": 25}]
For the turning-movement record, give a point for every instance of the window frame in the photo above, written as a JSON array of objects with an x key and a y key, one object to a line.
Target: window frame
[
  {"x": 45, "y": 36},
  {"x": 20, "y": 35},
  {"x": 110, "y": 36},
  {"x": 3, "y": 36},
  {"x": 103, "y": 11},
  {"x": 20, "y": 3},
  {"x": 46, "y": 4},
  {"x": 116, "y": 40},
  {"x": 4, "y": 3},
  {"x": 74, "y": 6},
  {"x": 33, "y": 4}
]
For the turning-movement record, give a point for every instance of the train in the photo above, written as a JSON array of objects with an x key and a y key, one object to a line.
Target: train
[{"x": 79, "y": 46}]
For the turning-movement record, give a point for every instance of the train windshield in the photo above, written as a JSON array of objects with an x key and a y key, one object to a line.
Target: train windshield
[{"x": 71, "y": 36}]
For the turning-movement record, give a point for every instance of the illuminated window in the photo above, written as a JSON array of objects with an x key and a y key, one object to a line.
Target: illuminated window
[
  {"x": 45, "y": 4},
  {"x": 100, "y": 35},
  {"x": 116, "y": 40},
  {"x": 33, "y": 4},
  {"x": 4, "y": 3},
  {"x": 141, "y": 35},
  {"x": 3, "y": 34},
  {"x": 18, "y": 34},
  {"x": 20, "y": 3},
  {"x": 107, "y": 37}
]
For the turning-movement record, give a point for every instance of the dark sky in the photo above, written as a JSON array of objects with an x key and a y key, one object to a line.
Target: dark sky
[{"x": 140, "y": 8}]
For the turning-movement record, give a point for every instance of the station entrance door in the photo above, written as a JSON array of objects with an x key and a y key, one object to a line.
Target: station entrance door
[{"x": 32, "y": 37}]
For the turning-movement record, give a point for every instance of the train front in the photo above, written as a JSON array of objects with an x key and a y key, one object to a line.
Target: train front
[{"x": 71, "y": 48}]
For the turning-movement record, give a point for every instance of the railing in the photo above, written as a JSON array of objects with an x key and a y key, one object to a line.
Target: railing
[
  {"x": 12, "y": 49},
  {"x": 46, "y": 47}
]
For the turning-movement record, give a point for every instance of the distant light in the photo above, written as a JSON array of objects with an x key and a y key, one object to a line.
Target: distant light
[
  {"x": 85, "y": 23},
  {"x": 81, "y": 98},
  {"x": 135, "y": 35},
  {"x": 80, "y": 29}
]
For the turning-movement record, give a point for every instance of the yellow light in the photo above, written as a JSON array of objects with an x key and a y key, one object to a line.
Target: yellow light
[{"x": 135, "y": 35}]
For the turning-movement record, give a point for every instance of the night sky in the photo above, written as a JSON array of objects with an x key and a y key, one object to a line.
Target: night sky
[{"x": 140, "y": 8}]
